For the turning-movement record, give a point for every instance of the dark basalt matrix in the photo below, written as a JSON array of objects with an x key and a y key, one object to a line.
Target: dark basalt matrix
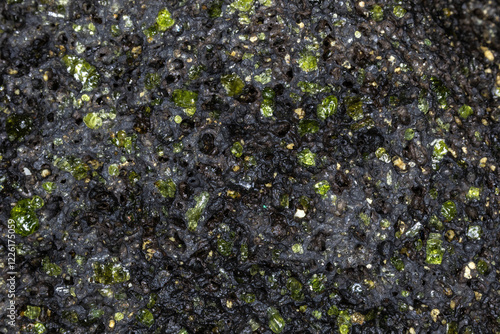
[{"x": 250, "y": 166}]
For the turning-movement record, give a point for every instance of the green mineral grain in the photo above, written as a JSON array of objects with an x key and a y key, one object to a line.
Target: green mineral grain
[
  {"x": 423, "y": 103},
  {"x": 24, "y": 215},
  {"x": 267, "y": 105},
  {"x": 333, "y": 311},
  {"x": 312, "y": 88},
  {"x": 377, "y": 13},
  {"x": 474, "y": 193},
  {"x": 133, "y": 177},
  {"x": 195, "y": 72},
  {"x": 344, "y": 322},
  {"x": 73, "y": 165},
  {"x": 264, "y": 77},
  {"x": 465, "y": 111},
  {"x": 384, "y": 224},
  {"x": 440, "y": 90},
  {"x": 399, "y": 12},
  {"x": 184, "y": 98},
  {"x": 215, "y": 9},
  {"x": 237, "y": 149},
  {"x": 49, "y": 186},
  {"x": 398, "y": 263},
  {"x": 242, "y": 5},
  {"x": 177, "y": 147},
  {"x": 295, "y": 288},
  {"x": 276, "y": 322},
  {"x": 244, "y": 252},
  {"x": 354, "y": 107},
  {"x": 482, "y": 267},
  {"x": 115, "y": 30},
  {"x": 322, "y": 187},
  {"x": 317, "y": 314},
  {"x": 110, "y": 273},
  {"x": 82, "y": 71},
  {"x": 95, "y": 313},
  {"x": 327, "y": 108},
  {"x": 49, "y": 268},
  {"x": 308, "y": 61},
  {"x": 474, "y": 232},
  {"x": 285, "y": 201},
  {"x": 297, "y": 249},
  {"x": 308, "y": 126},
  {"x": 233, "y": 84},
  {"x": 267, "y": 108},
  {"x": 18, "y": 126},
  {"x": 435, "y": 223},
  {"x": 224, "y": 247},
  {"x": 439, "y": 151},
  {"x": 317, "y": 283},
  {"x": 32, "y": 312},
  {"x": 365, "y": 218},
  {"x": 434, "y": 249},
  {"x": 382, "y": 155},
  {"x": 39, "y": 328},
  {"x": 307, "y": 158},
  {"x": 247, "y": 297},
  {"x": 166, "y": 188},
  {"x": 122, "y": 140},
  {"x": 145, "y": 317},
  {"x": 164, "y": 20},
  {"x": 113, "y": 170},
  {"x": 409, "y": 134},
  {"x": 152, "y": 80},
  {"x": 92, "y": 120},
  {"x": 193, "y": 214},
  {"x": 449, "y": 210}
]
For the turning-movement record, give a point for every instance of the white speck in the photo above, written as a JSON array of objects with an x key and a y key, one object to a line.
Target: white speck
[
  {"x": 467, "y": 273},
  {"x": 127, "y": 22},
  {"x": 300, "y": 213},
  {"x": 26, "y": 171},
  {"x": 55, "y": 14}
]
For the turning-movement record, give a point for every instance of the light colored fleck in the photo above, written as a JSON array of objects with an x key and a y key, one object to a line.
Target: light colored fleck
[
  {"x": 300, "y": 213},
  {"x": 398, "y": 162},
  {"x": 434, "y": 314},
  {"x": 467, "y": 274},
  {"x": 488, "y": 54},
  {"x": 300, "y": 112},
  {"x": 478, "y": 295}
]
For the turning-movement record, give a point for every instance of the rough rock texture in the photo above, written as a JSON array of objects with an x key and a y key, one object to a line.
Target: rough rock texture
[{"x": 251, "y": 166}]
